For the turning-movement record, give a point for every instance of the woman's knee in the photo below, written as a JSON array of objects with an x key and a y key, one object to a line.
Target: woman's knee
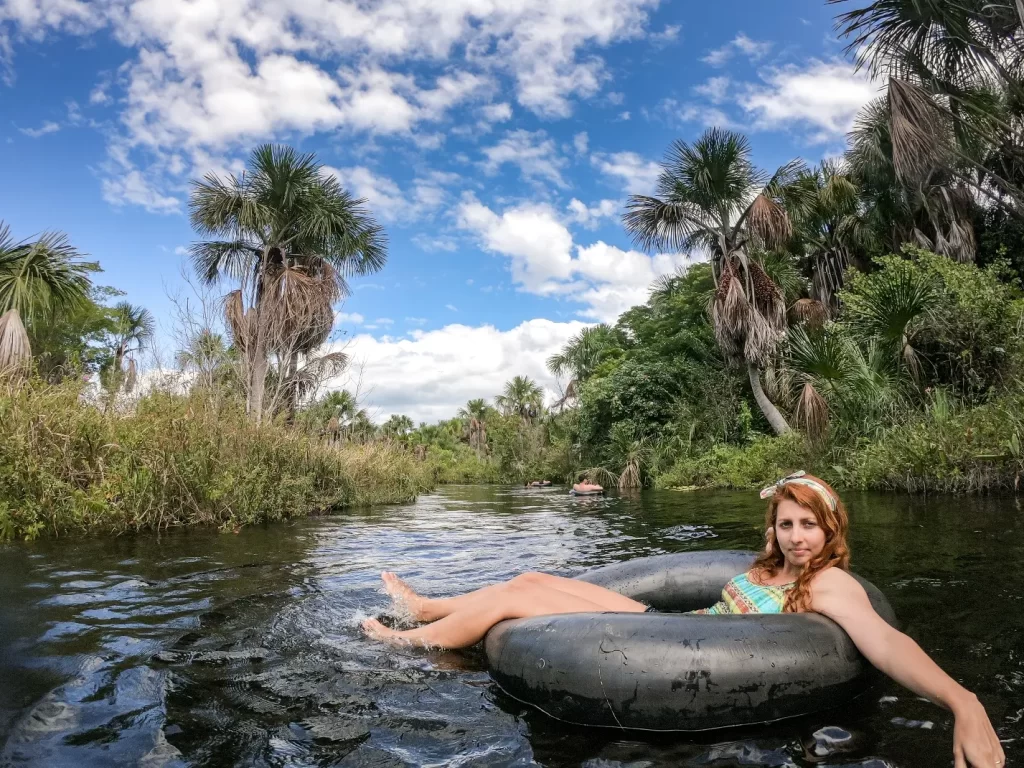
[{"x": 528, "y": 579}]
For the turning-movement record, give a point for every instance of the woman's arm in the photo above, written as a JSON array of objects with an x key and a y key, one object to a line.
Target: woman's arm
[{"x": 836, "y": 594}]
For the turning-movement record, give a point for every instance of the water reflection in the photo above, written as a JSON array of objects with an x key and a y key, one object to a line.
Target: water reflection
[{"x": 211, "y": 649}]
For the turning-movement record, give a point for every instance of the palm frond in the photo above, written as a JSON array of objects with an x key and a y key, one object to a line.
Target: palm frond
[{"x": 15, "y": 350}]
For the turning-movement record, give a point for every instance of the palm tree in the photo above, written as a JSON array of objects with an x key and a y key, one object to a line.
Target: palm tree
[
  {"x": 933, "y": 212},
  {"x": 712, "y": 197},
  {"x": 133, "y": 326},
  {"x": 891, "y": 306},
  {"x": 828, "y": 231},
  {"x": 474, "y": 416},
  {"x": 398, "y": 425},
  {"x": 943, "y": 60},
  {"x": 206, "y": 355},
  {"x": 37, "y": 278},
  {"x": 521, "y": 397},
  {"x": 291, "y": 236},
  {"x": 581, "y": 355}
]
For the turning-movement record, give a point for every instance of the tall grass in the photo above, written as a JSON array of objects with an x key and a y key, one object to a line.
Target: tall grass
[{"x": 175, "y": 461}]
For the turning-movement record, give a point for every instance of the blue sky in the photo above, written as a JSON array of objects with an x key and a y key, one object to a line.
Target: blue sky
[{"x": 495, "y": 139}]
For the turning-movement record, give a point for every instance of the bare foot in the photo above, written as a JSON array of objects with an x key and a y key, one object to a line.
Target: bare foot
[
  {"x": 377, "y": 631},
  {"x": 403, "y": 595}
]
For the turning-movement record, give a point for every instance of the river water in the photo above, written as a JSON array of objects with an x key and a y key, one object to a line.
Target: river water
[{"x": 209, "y": 649}]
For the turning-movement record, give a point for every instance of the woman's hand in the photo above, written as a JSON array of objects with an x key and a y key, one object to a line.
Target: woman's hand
[{"x": 975, "y": 743}]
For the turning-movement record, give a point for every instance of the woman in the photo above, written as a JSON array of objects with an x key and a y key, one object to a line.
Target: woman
[{"x": 803, "y": 568}]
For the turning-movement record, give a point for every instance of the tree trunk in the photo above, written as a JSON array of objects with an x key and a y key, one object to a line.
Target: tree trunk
[{"x": 775, "y": 418}]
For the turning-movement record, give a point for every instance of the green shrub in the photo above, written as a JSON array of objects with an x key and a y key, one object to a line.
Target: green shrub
[
  {"x": 945, "y": 449},
  {"x": 755, "y": 465},
  {"x": 66, "y": 467}
]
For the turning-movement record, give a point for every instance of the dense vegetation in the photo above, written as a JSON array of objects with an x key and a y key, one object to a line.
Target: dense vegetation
[{"x": 862, "y": 318}]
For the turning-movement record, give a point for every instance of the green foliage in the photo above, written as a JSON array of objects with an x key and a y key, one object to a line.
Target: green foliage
[
  {"x": 728, "y": 466},
  {"x": 66, "y": 467}
]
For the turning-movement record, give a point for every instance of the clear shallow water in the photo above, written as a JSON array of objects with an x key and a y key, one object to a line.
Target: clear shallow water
[{"x": 244, "y": 649}]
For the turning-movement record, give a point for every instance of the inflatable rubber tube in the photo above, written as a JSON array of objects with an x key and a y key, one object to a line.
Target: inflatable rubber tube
[
  {"x": 574, "y": 492},
  {"x": 678, "y": 672}
]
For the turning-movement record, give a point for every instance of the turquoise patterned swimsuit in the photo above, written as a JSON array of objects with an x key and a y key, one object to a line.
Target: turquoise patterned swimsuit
[{"x": 741, "y": 595}]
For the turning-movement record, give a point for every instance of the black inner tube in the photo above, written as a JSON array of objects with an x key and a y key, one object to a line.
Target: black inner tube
[{"x": 676, "y": 671}]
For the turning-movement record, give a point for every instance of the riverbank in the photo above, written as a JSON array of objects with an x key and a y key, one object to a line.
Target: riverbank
[
  {"x": 941, "y": 449},
  {"x": 174, "y": 461}
]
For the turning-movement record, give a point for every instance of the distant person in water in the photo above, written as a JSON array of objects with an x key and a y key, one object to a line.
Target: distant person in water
[
  {"x": 586, "y": 487},
  {"x": 803, "y": 569}
]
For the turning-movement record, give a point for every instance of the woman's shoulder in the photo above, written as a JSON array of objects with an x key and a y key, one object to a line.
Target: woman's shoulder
[{"x": 835, "y": 580}]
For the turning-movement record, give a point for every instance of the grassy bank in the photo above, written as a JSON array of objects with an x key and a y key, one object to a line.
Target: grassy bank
[
  {"x": 175, "y": 461},
  {"x": 944, "y": 449}
]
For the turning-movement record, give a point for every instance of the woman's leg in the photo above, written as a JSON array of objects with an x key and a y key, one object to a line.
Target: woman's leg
[
  {"x": 468, "y": 624},
  {"x": 432, "y": 609}
]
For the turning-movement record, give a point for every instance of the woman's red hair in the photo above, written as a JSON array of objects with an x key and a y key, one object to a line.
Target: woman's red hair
[{"x": 836, "y": 552}]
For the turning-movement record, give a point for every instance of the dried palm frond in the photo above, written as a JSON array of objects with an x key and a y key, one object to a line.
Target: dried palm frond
[
  {"x": 811, "y": 413},
  {"x": 809, "y": 312},
  {"x": 15, "y": 350},
  {"x": 131, "y": 377},
  {"x": 919, "y": 130},
  {"x": 778, "y": 384},
  {"x": 239, "y": 322},
  {"x": 729, "y": 310},
  {"x": 299, "y": 306},
  {"x": 769, "y": 221},
  {"x": 762, "y": 338}
]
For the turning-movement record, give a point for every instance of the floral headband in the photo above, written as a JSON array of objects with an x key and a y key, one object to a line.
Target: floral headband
[{"x": 798, "y": 478}]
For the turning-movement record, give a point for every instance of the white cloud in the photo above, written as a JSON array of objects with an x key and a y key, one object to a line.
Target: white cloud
[
  {"x": 534, "y": 153},
  {"x": 497, "y": 113},
  {"x": 753, "y": 49},
  {"x": 709, "y": 117},
  {"x": 451, "y": 307},
  {"x": 715, "y": 89},
  {"x": 47, "y": 127},
  {"x": 669, "y": 34},
  {"x": 590, "y": 216},
  {"x": 624, "y": 116},
  {"x": 133, "y": 188},
  {"x": 581, "y": 142},
  {"x": 216, "y": 77},
  {"x": 824, "y": 96},
  {"x": 385, "y": 198},
  {"x": 434, "y": 373},
  {"x": 637, "y": 175},
  {"x": 349, "y": 318},
  {"x": 384, "y": 321},
  {"x": 416, "y": 320},
  {"x": 545, "y": 261},
  {"x": 434, "y": 244}
]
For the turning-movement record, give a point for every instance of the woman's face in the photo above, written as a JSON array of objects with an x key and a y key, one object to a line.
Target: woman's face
[{"x": 797, "y": 533}]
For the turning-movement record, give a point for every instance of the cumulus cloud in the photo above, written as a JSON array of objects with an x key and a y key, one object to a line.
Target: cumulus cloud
[
  {"x": 714, "y": 88},
  {"x": 214, "y": 76},
  {"x": 386, "y": 199},
  {"x": 545, "y": 261},
  {"x": 590, "y": 216},
  {"x": 533, "y": 152},
  {"x": 823, "y": 96},
  {"x": 432, "y": 374},
  {"x": 348, "y": 318},
  {"x": 637, "y": 175},
  {"x": 752, "y": 49}
]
